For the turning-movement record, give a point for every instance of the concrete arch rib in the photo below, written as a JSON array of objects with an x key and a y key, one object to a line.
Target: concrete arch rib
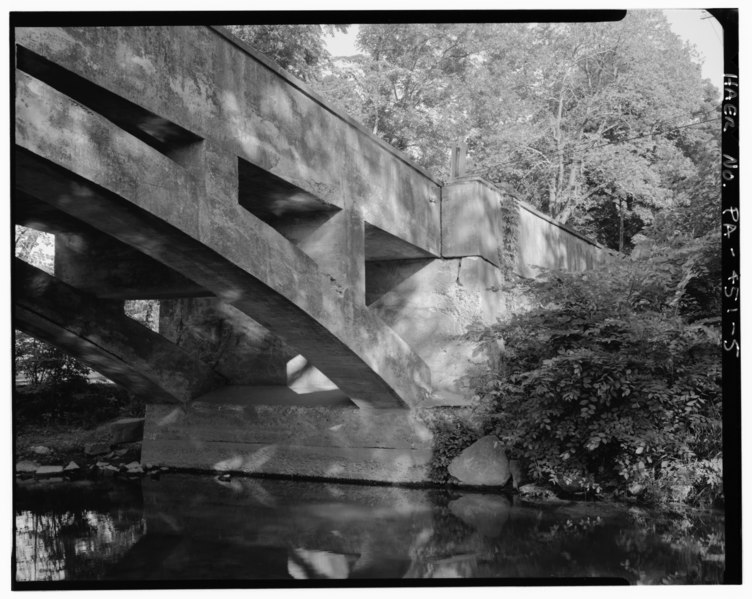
[
  {"x": 103, "y": 338},
  {"x": 191, "y": 221}
]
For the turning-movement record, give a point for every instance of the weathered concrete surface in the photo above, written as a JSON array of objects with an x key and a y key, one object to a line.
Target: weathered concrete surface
[
  {"x": 276, "y": 395},
  {"x": 97, "y": 264},
  {"x": 222, "y": 91},
  {"x": 109, "y": 269},
  {"x": 431, "y": 304},
  {"x": 83, "y": 165},
  {"x": 329, "y": 442},
  {"x": 105, "y": 339},
  {"x": 472, "y": 225},
  {"x": 337, "y": 246},
  {"x": 545, "y": 243}
]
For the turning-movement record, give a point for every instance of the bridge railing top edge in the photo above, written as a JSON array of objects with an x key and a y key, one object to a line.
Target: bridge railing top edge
[
  {"x": 306, "y": 89},
  {"x": 525, "y": 206}
]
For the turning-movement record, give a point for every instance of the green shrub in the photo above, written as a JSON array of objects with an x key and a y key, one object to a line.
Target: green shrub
[
  {"x": 452, "y": 431},
  {"x": 607, "y": 383},
  {"x": 84, "y": 406}
]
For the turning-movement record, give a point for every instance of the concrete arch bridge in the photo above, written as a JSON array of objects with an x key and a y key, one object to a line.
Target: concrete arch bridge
[{"x": 314, "y": 284}]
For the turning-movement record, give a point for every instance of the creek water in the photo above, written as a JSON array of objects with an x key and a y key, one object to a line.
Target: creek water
[{"x": 185, "y": 527}]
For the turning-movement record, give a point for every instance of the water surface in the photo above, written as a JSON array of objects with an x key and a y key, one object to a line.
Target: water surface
[{"x": 193, "y": 527}]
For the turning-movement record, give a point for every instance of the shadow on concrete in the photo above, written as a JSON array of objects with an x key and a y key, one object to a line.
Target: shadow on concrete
[
  {"x": 275, "y": 395},
  {"x": 382, "y": 276}
]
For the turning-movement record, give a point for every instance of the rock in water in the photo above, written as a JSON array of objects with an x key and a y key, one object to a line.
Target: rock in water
[
  {"x": 26, "y": 467},
  {"x": 483, "y": 463},
  {"x": 134, "y": 468},
  {"x": 531, "y": 490},
  {"x": 45, "y": 471}
]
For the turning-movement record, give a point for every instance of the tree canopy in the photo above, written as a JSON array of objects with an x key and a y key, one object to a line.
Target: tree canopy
[{"x": 301, "y": 49}]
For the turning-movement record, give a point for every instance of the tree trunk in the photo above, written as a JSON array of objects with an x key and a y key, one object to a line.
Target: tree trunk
[{"x": 621, "y": 226}]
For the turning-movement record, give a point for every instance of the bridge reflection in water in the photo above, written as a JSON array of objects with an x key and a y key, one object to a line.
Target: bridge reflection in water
[{"x": 201, "y": 528}]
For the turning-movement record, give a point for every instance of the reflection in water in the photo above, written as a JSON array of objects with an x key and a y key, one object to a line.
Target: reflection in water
[
  {"x": 304, "y": 563},
  {"x": 78, "y": 545},
  {"x": 201, "y": 528}
]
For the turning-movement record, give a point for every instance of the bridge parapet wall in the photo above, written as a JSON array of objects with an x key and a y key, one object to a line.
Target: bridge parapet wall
[{"x": 473, "y": 225}]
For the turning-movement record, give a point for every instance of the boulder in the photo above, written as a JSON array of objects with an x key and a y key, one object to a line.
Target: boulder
[
  {"x": 96, "y": 448},
  {"x": 483, "y": 463},
  {"x": 27, "y": 467},
  {"x": 134, "y": 468},
  {"x": 126, "y": 430},
  {"x": 108, "y": 470},
  {"x": 45, "y": 471},
  {"x": 71, "y": 467}
]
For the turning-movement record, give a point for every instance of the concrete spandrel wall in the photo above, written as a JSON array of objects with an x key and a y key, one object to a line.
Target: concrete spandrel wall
[
  {"x": 208, "y": 84},
  {"x": 431, "y": 304},
  {"x": 472, "y": 225}
]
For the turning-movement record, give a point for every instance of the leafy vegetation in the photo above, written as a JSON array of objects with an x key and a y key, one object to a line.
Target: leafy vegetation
[
  {"x": 46, "y": 366},
  {"x": 300, "y": 49},
  {"x": 74, "y": 404},
  {"x": 452, "y": 432},
  {"x": 614, "y": 380}
]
